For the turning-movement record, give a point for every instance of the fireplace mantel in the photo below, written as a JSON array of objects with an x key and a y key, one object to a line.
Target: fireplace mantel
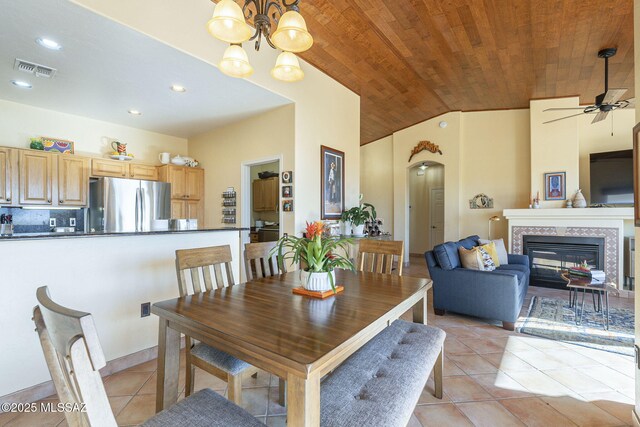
[{"x": 588, "y": 222}]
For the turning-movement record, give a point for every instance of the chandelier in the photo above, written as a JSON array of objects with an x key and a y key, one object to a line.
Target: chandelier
[{"x": 291, "y": 35}]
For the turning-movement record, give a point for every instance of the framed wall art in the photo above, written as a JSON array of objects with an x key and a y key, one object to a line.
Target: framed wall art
[
  {"x": 287, "y": 177},
  {"x": 331, "y": 183},
  {"x": 287, "y": 191},
  {"x": 555, "y": 186},
  {"x": 287, "y": 205}
]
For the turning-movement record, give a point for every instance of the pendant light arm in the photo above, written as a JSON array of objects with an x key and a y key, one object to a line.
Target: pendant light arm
[{"x": 293, "y": 5}]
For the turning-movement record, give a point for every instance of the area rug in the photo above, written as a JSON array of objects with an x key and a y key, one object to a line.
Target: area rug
[{"x": 553, "y": 319}]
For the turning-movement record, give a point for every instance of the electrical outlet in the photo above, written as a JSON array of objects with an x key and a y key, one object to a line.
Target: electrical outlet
[
  {"x": 72, "y": 222},
  {"x": 52, "y": 222},
  {"x": 145, "y": 309}
]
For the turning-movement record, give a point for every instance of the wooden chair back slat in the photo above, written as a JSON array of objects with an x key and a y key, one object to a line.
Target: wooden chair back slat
[
  {"x": 74, "y": 356},
  {"x": 378, "y": 256},
  {"x": 199, "y": 262},
  {"x": 258, "y": 262}
]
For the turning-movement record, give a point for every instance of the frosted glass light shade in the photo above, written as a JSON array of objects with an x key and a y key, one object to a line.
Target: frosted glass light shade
[
  {"x": 228, "y": 24},
  {"x": 235, "y": 62},
  {"x": 287, "y": 68},
  {"x": 292, "y": 34}
]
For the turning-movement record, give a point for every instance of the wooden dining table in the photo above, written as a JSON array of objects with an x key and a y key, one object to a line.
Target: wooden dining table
[{"x": 296, "y": 337}]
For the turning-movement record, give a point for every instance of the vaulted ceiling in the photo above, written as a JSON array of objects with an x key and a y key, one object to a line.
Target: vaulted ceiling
[{"x": 411, "y": 60}]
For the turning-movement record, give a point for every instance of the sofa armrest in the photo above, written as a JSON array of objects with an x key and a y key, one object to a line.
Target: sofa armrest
[{"x": 518, "y": 259}]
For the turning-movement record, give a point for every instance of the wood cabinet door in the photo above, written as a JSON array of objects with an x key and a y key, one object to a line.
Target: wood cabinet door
[
  {"x": 35, "y": 177},
  {"x": 73, "y": 180},
  {"x": 178, "y": 209},
  {"x": 6, "y": 174},
  {"x": 178, "y": 180},
  {"x": 146, "y": 172},
  {"x": 194, "y": 179},
  {"x": 195, "y": 210},
  {"x": 258, "y": 195},
  {"x": 270, "y": 198},
  {"x": 113, "y": 168}
]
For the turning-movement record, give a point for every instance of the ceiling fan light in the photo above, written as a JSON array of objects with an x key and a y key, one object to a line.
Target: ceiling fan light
[
  {"x": 235, "y": 62},
  {"x": 228, "y": 24},
  {"x": 287, "y": 68},
  {"x": 292, "y": 34}
]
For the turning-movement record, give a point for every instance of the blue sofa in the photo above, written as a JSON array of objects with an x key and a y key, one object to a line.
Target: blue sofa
[{"x": 497, "y": 294}]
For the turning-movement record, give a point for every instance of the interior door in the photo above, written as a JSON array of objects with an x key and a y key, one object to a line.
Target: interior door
[{"x": 436, "y": 213}]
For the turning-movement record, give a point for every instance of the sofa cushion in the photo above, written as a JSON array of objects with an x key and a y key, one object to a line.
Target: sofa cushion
[
  {"x": 491, "y": 249},
  {"x": 516, "y": 267},
  {"x": 503, "y": 257},
  {"x": 471, "y": 259},
  {"x": 447, "y": 253},
  {"x": 487, "y": 260},
  {"x": 519, "y": 274}
]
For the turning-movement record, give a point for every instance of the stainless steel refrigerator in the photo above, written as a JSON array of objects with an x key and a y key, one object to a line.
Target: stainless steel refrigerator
[{"x": 128, "y": 205}]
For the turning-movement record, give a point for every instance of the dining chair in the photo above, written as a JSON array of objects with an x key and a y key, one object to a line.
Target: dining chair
[
  {"x": 377, "y": 256},
  {"x": 198, "y": 263},
  {"x": 260, "y": 263},
  {"x": 74, "y": 357}
]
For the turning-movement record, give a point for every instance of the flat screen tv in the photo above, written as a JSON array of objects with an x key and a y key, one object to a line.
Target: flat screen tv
[{"x": 612, "y": 178}]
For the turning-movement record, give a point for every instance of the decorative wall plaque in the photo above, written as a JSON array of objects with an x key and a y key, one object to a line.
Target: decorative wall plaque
[
  {"x": 425, "y": 145},
  {"x": 481, "y": 201}
]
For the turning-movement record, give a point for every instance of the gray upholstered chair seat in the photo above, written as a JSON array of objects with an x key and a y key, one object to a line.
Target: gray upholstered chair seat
[
  {"x": 381, "y": 383},
  {"x": 205, "y": 408},
  {"x": 219, "y": 359}
]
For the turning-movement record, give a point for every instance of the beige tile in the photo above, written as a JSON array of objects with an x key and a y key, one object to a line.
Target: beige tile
[
  {"x": 262, "y": 380},
  {"x": 118, "y": 403},
  {"x": 204, "y": 379},
  {"x": 473, "y": 364},
  {"x": 614, "y": 403},
  {"x": 414, "y": 422},
  {"x": 274, "y": 407},
  {"x": 255, "y": 400},
  {"x": 540, "y": 359},
  {"x": 149, "y": 366},
  {"x": 544, "y": 344},
  {"x": 576, "y": 380},
  {"x": 507, "y": 362},
  {"x": 37, "y": 418},
  {"x": 441, "y": 415},
  {"x": 584, "y": 414},
  {"x": 277, "y": 421},
  {"x": 536, "y": 413},
  {"x": 484, "y": 345},
  {"x": 539, "y": 383},
  {"x": 453, "y": 346},
  {"x": 519, "y": 342},
  {"x": 451, "y": 369},
  {"x": 460, "y": 332},
  {"x": 573, "y": 358},
  {"x": 5, "y": 417},
  {"x": 138, "y": 410},
  {"x": 488, "y": 414},
  {"x": 464, "y": 389},
  {"x": 610, "y": 377},
  {"x": 501, "y": 386},
  {"x": 125, "y": 383},
  {"x": 150, "y": 386},
  {"x": 491, "y": 331},
  {"x": 427, "y": 397}
]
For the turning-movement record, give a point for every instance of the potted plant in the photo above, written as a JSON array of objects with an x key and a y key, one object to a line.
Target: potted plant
[
  {"x": 317, "y": 253},
  {"x": 358, "y": 215},
  {"x": 345, "y": 224}
]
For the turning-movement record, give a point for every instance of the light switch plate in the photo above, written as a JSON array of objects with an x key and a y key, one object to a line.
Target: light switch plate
[
  {"x": 52, "y": 222},
  {"x": 72, "y": 222}
]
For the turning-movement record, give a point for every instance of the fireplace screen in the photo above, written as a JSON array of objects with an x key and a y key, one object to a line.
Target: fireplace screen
[{"x": 549, "y": 256}]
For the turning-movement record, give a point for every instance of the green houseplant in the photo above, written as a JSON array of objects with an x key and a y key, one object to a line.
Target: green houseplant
[
  {"x": 317, "y": 254},
  {"x": 358, "y": 215}
]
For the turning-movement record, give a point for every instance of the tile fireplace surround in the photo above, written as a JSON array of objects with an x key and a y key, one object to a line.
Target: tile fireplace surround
[{"x": 608, "y": 223}]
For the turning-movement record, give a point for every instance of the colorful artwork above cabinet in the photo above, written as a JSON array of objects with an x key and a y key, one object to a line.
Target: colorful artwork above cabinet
[{"x": 59, "y": 145}]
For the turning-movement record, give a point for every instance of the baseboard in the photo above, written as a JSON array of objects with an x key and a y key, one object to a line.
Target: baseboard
[
  {"x": 636, "y": 420},
  {"x": 46, "y": 389}
]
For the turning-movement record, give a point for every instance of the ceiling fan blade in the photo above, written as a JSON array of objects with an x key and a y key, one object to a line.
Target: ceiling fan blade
[
  {"x": 562, "y": 118},
  {"x": 613, "y": 95},
  {"x": 599, "y": 117},
  {"x": 631, "y": 102},
  {"x": 561, "y": 109}
]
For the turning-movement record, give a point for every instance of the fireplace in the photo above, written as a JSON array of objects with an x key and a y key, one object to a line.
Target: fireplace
[{"x": 550, "y": 255}]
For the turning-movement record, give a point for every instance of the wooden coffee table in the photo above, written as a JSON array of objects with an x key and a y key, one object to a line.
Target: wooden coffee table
[{"x": 599, "y": 288}]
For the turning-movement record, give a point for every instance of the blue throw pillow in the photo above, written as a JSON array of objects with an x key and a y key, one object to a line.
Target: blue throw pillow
[{"x": 447, "y": 255}]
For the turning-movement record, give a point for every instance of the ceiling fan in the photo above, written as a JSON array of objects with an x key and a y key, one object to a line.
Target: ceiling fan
[{"x": 607, "y": 101}]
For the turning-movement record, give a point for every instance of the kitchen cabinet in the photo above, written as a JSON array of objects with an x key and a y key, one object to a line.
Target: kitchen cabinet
[
  {"x": 73, "y": 180},
  {"x": 265, "y": 195},
  {"x": 187, "y": 191},
  {"x": 123, "y": 169},
  {"x": 8, "y": 168},
  {"x": 35, "y": 177}
]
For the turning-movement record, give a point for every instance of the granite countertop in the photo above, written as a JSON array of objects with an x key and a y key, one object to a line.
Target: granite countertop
[{"x": 80, "y": 234}]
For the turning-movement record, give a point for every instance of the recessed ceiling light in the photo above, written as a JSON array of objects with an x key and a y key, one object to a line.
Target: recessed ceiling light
[
  {"x": 48, "y": 43},
  {"x": 21, "y": 84},
  {"x": 178, "y": 88},
  {"x": 135, "y": 112}
]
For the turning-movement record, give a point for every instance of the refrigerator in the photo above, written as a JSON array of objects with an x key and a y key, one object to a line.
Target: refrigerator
[{"x": 128, "y": 205}]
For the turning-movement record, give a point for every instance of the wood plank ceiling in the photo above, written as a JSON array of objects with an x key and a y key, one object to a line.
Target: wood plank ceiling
[{"x": 411, "y": 60}]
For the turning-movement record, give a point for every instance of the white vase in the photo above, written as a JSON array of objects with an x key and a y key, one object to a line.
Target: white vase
[
  {"x": 345, "y": 228},
  {"x": 318, "y": 282},
  {"x": 357, "y": 230},
  {"x": 579, "y": 201}
]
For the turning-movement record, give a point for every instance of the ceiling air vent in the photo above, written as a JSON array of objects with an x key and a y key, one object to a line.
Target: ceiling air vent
[{"x": 33, "y": 68}]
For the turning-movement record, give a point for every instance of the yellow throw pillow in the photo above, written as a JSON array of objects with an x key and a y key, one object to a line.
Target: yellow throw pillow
[
  {"x": 471, "y": 258},
  {"x": 491, "y": 249}
]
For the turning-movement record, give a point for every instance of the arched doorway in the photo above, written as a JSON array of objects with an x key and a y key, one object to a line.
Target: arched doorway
[{"x": 426, "y": 207}]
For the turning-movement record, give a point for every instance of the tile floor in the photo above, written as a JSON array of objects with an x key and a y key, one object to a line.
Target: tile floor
[{"x": 493, "y": 378}]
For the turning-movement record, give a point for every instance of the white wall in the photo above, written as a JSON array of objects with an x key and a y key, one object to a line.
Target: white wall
[
  {"x": 107, "y": 276},
  {"x": 19, "y": 122},
  {"x": 376, "y": 178}
]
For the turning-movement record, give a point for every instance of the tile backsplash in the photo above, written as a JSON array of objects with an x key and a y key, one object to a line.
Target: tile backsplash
[{"x": 37, "y": 220}]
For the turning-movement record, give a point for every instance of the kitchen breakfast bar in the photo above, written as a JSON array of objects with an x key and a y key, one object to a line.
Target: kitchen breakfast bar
[{"x": 107, "y": 274}]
